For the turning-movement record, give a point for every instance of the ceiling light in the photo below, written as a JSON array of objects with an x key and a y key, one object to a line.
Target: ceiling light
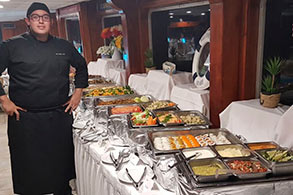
[
  {"x": 181, "y": 20},
  {"x": 171, "y": 13},
  {"x": 1, "y": 6},
  {"x": 4, "y": 0},
  {"x": 209, "y": 9},
  {"x": 171, "y": 17},
  {"x": 203, "y": 14},
  {"x": 188, "y": 12}
]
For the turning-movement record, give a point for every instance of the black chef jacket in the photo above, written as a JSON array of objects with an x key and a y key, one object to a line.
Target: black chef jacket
[{"x": 39, "y": 70}]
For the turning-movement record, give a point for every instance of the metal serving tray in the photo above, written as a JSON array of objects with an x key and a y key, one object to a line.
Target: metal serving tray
[
  {"x": 167, "y": 112},
  {"x": 208, "y": 178},
  {"x": 131, "y": 125},
  {"x": 278, "y": 168},
  {"x": 262, "y": 143},
  {"x": 86, "y": 91},
  {"x": 194, "y": 113},
  {"x": 248, "y": 175},
  {"x": 113, "y": 98},
  {"x": 195, "y": 150},
  {"x": 238, "y": 146},
  {"x": 183, "y": 131},
  {"x": 118, "y": 106},
  {"x": 145, "y": 105}
]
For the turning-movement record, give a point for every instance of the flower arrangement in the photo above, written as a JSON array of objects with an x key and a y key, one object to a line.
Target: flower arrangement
[
  {"x": 114, "y": 34},
  {"x": 105, "y": 51}
]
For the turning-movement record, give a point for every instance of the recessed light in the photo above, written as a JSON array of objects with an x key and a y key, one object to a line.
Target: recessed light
[
  {"x": 1, "y": 6},
  {"x": 181, "y": 20},
  {"x": 203, "y": 14},
  {"x": 188, "y": 12},
  {"x": 171, "y": 17},
  {"x": 171, "y": 13}
]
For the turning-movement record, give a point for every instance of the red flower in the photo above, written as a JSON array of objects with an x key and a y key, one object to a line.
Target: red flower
[{"x": 106, "y": 33}]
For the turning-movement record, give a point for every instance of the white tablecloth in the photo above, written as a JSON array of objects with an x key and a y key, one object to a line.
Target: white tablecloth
[
  {"x": 284, "y": 129},
  {"x": 159, "y": 84},
  {"x": 102, "y": 66},
  {"x": 251, "y": 120},
  {"x": 188, "y": 99},
  {"x": 118, "y": 76},
  {"x": 138, "y": 83}
]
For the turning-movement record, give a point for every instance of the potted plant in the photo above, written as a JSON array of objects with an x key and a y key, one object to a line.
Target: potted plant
[
  {"x": 270, "y": 95},
  {"x": 149, "y": 62}
]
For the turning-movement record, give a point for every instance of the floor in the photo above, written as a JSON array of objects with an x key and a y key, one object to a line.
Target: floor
[{"x": 5, "y": 170}]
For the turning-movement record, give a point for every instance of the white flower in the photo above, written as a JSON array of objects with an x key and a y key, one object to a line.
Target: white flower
[{"x": 105, "y": 50}]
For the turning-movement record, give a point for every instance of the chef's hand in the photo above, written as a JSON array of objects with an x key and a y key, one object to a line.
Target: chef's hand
[
  {"x": 9, "y": 107},
  {"x": 74, "y": 100}
]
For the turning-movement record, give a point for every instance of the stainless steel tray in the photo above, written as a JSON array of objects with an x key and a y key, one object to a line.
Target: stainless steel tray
[
  {"x": 199, "y": 149},
  {"x": 157, "y": 113},
  {"x": 248, "y": 153},
  {"x": 184, "y": 131},
  {"x": 118, "y": 106},
  {"x": 254, "y": 175},
  {"x": 208, "y": 178},
  {"x": 131, "y": 125},
  {"x": 145, "y": 105},
  {"x": 206, "y": 121},
  {"x": 113, "y": 98},
  {"x": 110, "y": 96},
  {"x": 259, "y": 143},
  {"x": 278, "y": 168}
]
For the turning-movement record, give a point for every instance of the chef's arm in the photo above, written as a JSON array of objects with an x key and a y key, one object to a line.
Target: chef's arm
[
  {"x": 9, "y": 107},
  {"x": 74, "y": 100}
]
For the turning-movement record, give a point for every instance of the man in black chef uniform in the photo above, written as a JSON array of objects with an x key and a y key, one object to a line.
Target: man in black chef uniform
[{"x": 39, "y": 109}]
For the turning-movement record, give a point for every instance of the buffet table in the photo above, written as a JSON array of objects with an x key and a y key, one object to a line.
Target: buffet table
[
  {"x": 94, "y": 177},
  {"x": 102, "y": 66},
  {"x": 189, "y": 99},
  {"x": 251, "y": 120}
]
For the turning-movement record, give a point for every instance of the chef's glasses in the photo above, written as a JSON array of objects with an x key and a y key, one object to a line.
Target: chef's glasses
[{"x": 36, "y": 18}]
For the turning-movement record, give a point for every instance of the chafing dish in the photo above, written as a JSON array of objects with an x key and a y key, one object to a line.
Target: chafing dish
[
  {"x": 119, "y": 100},
  {"x": 160, "y": 105},
  {"x": 162, "y": 133},
  {"x": 110, "y": 109},
  {"x": 232, "y": 151},
  {"x": 262, "y": 145},
  {"x": 165, "y": 115},
  {"x": 200, "y": 120}
]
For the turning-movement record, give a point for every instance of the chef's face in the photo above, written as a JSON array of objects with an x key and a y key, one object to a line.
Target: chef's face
[{"x": 39, "y": 22}]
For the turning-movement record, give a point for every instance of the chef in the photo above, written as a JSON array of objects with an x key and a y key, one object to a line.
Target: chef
[{"x": 39, "y": 107}]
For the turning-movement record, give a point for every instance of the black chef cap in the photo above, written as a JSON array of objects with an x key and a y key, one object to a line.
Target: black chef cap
[{"x": 37, "y": 6}]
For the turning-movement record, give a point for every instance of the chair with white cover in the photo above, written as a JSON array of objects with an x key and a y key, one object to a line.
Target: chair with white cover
[{"x": 284, "y": 129}]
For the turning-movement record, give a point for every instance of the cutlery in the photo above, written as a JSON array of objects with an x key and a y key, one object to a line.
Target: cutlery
[
  {"x": 197, "y": 154},
  {"x": 121, "y": 157},
  {"x": 113, "y": 159}
]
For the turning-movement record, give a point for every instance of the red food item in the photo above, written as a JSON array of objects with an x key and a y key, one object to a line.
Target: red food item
[
  {"x": 247, "y": 166},
  {"x": 125, "y": 109}
]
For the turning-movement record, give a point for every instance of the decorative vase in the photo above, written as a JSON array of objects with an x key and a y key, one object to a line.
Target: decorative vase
[
  {"x": 148, "y": 69},
  {"x": 104, "y": 56},
  {"x": 270, "y": 101},
  {"x": 116, "y": 55}
]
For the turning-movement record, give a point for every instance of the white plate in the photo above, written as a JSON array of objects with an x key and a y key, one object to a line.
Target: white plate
[
  {"x": 119, "y": 142},
  {"x": 136, "y": 172},
  {"x": 79, "y": 124},
  {"x": 107, "y": 160}
]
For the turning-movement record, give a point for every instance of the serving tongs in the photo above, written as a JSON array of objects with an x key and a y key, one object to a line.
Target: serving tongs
[
  {"x": 197, "y": 154},
  {"x": 119, "y": 161},
  {"x": 135, "y": 184}
]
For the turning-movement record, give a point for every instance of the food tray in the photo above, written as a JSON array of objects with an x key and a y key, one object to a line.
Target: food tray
[
  {"x": 261, "y": 145},
  {"x": 106, "y": 87},
  {"x": 202, "y": 150},
  {"x": 166, "y": 133},
  {"x": 206, "y": 163},
  {"x": 121, "y": 106},
  {"x": 278, "y": 168},
  {"x": 174, "y": 107},
  {"x": 131, "y": 125},
  {"x": 204, "y": 123},
  {"x": 251, "y": 175},
  {"x": 117, "y": 98},
  {"x": 245, "y": 152},
  {"x": 166, "y": 124}
]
